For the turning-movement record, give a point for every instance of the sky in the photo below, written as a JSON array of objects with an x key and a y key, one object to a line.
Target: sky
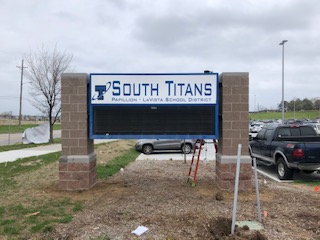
[{"x": 168, "y": 36}]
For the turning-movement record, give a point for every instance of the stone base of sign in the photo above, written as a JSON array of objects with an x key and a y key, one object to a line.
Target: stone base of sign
[
  {"x": 226, "y": 173},
  {"x": 77, "y": 172},
  {"x": 233, "y": 130},
  {"x": 77, "y": 166}
]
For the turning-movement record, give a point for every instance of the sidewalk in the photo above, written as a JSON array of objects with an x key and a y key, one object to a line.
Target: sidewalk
[{"x": 11, "y": 156}]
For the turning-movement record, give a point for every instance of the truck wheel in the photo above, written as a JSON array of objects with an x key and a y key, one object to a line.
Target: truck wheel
[{"x": 284, "y": 173}]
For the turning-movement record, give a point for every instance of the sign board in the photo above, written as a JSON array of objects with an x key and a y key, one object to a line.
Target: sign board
[{"x": 154, "y": 105}]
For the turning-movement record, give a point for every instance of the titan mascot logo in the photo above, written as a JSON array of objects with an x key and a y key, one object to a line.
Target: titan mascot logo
[{"x": 101, "y": 91}]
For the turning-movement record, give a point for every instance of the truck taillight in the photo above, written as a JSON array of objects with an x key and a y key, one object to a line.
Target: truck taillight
[{"x": 298, "y": 153}]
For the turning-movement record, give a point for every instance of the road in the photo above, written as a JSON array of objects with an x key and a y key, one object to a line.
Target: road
[{"x": 13, "y": 138}]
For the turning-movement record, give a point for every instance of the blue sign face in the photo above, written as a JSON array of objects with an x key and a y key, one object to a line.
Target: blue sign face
[{"x": 145, "y": 99}]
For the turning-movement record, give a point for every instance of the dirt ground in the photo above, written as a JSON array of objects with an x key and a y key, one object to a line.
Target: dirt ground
[{"x": 155, "y": 194}]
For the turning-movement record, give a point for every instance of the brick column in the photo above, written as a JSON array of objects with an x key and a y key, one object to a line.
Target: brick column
[
  {"x": 77, "y": 166},
  {"x": 233, "y": 130}
]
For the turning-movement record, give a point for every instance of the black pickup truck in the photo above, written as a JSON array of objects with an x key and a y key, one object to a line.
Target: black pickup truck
[{"x": 290, "y": 148}]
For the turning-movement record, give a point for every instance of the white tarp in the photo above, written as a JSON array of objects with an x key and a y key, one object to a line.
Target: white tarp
[{"x": 39, "y": 134}]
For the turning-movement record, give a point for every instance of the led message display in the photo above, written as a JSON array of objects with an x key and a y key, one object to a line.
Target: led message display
[{"x": 154, "y": 105}]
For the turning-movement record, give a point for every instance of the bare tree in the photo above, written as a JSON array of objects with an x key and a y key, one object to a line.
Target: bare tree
[{"x": 44, "y": 72}]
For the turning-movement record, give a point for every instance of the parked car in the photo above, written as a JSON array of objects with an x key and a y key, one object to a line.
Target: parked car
[
  {"x": 147, "y": 146},
  {"x": 316, "y": 127},
  {"x": 254, "y": 128}
]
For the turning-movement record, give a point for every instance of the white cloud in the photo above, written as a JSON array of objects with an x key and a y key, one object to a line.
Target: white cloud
[{"x": 169, "y": 36}]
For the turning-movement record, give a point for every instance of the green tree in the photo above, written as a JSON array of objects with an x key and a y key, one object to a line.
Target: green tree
[
  {"x": 286, "y": 105},
  {"x": 307, "y": 104},
  {"x": 316, "y": 104}
]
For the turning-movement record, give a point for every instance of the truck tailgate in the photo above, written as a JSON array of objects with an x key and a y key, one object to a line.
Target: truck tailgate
[{"x": 312, "y": 152}]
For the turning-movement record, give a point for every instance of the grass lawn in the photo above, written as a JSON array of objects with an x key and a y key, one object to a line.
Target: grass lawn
[
  {"x": 114, "y": 166},
  {"x": 288, "y": 115},
  {"x": 308, "y": 183},
  {"x": 22, "y": 214},
  {"x": 26, "y": 211}
]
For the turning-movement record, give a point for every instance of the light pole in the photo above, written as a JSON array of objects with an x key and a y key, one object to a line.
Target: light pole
[
  {"x": 282, "y": 43},
  {"x": 319, "y": 105},
  {"x": 294, "y": 108}
]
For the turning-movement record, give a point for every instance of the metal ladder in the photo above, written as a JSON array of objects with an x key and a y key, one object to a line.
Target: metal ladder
[{"x": 192, "y": 176}]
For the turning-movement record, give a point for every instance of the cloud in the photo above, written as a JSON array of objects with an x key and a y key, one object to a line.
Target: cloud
[{"x": 170, "y": 36}]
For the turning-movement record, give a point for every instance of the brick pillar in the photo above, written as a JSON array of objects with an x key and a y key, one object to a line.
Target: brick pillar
[
  {"x": 77, "y": 166},
  {"x": 233, "y": 130}
]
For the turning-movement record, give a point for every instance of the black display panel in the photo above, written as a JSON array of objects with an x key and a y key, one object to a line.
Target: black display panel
[{"x": 164, "y": 120}]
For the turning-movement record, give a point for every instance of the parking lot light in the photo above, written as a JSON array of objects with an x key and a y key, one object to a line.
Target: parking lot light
[{"x": 282, "y": 43}]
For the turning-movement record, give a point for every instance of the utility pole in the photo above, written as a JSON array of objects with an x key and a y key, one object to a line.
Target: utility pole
[{"x": 21, "y": 67}]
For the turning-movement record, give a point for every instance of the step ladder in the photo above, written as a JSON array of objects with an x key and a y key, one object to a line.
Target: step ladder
[{"x": 192, "y": 176}]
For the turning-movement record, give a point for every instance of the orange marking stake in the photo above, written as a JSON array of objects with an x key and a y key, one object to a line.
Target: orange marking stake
[
  {"x": 265, "y": 214},
  {"x": 316, "y": 189}
]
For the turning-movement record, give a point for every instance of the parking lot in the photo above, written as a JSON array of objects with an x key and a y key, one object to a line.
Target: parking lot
[
  {"x": 208, "y": 154},
  {"x": 270, "y": 172}
]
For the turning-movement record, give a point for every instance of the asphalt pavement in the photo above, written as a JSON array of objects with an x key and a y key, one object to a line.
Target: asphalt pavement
[
  {"x": 13, "y": 138},
  {"x": 271, "y": 173}
]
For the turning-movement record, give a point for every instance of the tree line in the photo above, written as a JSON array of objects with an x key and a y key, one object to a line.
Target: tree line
[{"x": 297, "y": 104}]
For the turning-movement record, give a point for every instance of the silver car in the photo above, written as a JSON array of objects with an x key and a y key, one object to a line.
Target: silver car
[
  {"x": 147, "y": 146},
  {"x": 316, "y": 127}
]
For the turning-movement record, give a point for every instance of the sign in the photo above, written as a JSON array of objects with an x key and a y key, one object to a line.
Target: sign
[
  {"x": 153, "y": 105},
  {"x": 153, "y": 89}
]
